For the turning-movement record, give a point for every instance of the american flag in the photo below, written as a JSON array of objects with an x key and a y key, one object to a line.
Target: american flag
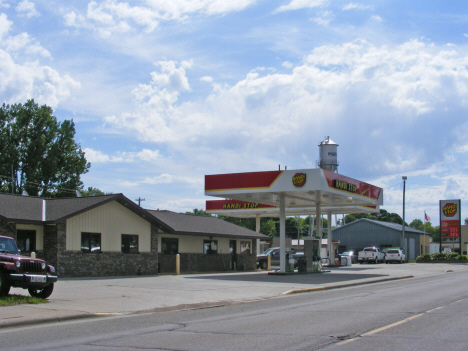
[{"x": 426, "y": 217}]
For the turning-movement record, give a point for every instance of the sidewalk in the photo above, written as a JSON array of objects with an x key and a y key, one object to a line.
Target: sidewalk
[{"x": 94, "y": 297}]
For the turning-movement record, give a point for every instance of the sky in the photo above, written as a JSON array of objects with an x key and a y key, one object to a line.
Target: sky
[{"x": 163, "y": 92}]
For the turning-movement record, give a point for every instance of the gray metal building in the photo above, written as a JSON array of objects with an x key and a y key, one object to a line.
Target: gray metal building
[{"x": 366, "y": 232}]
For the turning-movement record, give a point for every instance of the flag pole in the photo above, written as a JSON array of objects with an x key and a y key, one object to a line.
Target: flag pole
[{"x": 424, "y": 246}]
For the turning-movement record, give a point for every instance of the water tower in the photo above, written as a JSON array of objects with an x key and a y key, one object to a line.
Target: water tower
[{"x": 328, "y": 155}]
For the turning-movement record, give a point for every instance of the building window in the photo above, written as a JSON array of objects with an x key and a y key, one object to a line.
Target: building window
[
  {"x": 169, "y": 246},
  {"x": 26, "y": 240},
  {"x": 210, "y": 247},
  {"x": 129, "y": 244},
  {"x": 245, "y": 247},
  {"x": 91, "y": 242}
]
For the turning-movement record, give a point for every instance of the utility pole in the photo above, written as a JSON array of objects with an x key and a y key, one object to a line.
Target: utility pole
[
  {"x": 139, "y": 201},
  {"x": 404, "y": 189}
]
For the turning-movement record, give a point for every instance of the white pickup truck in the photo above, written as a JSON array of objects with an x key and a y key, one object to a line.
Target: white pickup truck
[{"x": 371, "y": 254}]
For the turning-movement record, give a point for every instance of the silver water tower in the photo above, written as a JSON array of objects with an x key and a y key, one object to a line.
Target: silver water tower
[{"x": 328, "y": 155}]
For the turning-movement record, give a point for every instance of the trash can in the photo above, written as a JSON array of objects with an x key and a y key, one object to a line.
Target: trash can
[
  {"x": 337, "y": 261},
  {"x": 302, "y": 264}
]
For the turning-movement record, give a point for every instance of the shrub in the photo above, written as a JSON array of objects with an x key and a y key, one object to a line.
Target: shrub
[
  {"x": 438, "y": 256},
  {"x": 424, "y": 258},
  {"x": 453, "y": 256}
]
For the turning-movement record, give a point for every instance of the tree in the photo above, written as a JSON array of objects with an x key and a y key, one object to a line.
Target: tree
[
  {"x": 382, "y": 216},
  {"x": 93, "y": 192},
  {"x": 38, "y": 154},
  {"x": 417, "y": 224},
  {"x": 198, "y": 212}
]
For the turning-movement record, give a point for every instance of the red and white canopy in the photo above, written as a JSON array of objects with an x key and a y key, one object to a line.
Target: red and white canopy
[
  {"x": 293, "y": 192},
  {"x": 259, "y": 192}
]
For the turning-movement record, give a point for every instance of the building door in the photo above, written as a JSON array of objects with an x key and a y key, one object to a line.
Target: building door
[
  {"x": 26, "y": 241},
  {"x": 233, "y": 250}
]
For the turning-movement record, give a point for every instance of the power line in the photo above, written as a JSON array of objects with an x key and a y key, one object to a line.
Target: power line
[{"x": 38, "y": 184}]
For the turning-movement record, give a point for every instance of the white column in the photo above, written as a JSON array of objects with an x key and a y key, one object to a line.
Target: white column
[
  {"x": 318, "y": 217},
  {"x": 257, "y": 229},
  {"x": 330, "y": 238},
  {"x": 282, "y": 234}
]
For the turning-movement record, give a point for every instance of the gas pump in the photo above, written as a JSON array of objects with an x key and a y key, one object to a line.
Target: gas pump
[
  {"x": 333, "y": 254},
  {"x": 289, "y": 260},
  {"x": 312, "y": 253}
]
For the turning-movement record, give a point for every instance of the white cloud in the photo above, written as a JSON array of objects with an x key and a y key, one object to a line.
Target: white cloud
[
  {"x": 21, "y": 74},
  {"x": 110, "y": 16},
  {"x": 354, "y": 6},
  {"x": 207, "y": 79},
  {"x": 162, "y": 179},
  {"x": 301, "y": 4},
  {"x": 146, "y": 155},
  {"x": 324, "y": 19},
  {"x": 73, "y": 19},
  {"x": 27, "y": 9},
  {"x": 380, "y": 87}
]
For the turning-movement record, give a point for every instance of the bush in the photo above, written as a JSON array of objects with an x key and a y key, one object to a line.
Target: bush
[
  {"x": 438, "y": 256},
  {"x": 424, "y": 258},
  {"x": 453, "y": 256}
]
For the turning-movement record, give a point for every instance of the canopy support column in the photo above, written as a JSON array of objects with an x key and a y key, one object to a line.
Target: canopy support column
[
  {"x": 282, "y": 234},
  {"x": 318, "y": 216},
  {"x": 331, "y": 250},
  {"x": 257, "y": 229}
]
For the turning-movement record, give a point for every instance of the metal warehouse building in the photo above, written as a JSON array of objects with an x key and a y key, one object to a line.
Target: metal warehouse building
[{"x": 366, "y": 232}]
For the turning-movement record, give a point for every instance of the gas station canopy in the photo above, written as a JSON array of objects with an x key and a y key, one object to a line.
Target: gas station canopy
[
  {"x": 293, "y": 192},
  {"x": 303, "y": 190}
]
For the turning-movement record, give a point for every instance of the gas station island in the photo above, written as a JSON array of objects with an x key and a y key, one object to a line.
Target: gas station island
[{"x": 288, "y": 193}]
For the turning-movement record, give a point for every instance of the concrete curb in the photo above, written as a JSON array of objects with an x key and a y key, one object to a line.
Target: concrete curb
[
  {"x": 180, "y": 307},
  {"x": 45, "y": 320},
  {"x": 298, "y": 291}
]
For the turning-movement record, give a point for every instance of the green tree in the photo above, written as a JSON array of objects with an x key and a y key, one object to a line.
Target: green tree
[
  {"x": 38, "y": 154},
  {"x": 93, "y": 192},
  {"x": 382, "y": 216},
  {"x": 198, "y": 212},
  {"x": 417, "y": 224}
]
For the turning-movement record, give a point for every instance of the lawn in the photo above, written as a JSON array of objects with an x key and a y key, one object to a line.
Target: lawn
[{"x": 11, "y": 300}]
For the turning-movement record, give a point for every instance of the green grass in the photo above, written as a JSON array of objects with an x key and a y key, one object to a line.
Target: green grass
[{"x": 12, "y": 300}]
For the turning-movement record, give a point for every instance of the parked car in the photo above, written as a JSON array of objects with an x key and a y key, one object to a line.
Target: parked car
[
  {"x": 262, "y": 259},
  {"x": 395, "y": 255},
  {"x": 24, "y": 272},
  {"x": 352, "y": 254},
  {"x": 371, "y": 255}
]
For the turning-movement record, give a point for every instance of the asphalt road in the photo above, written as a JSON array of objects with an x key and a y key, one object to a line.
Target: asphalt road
[{"x": 422, "y": 313}]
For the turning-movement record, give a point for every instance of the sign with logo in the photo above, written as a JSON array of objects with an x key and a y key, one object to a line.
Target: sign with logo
[
  {"x": 299, "y": 179},
  {"x": 450, "y": 223}
]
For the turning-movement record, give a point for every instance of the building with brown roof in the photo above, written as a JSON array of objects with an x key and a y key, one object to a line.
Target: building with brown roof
[{"x": 110, "y": 235}]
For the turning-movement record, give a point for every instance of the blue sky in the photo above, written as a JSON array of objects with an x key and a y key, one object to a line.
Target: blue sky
[{"x": 164, "y": 92}]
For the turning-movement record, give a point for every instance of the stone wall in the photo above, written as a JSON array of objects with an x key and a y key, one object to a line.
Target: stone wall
[
  {"x": 79, "y": 264},
  {"x": 192, "y": 263},
  {"x": 8, "y": 229},
  {"x": 50, "y": 245}
]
